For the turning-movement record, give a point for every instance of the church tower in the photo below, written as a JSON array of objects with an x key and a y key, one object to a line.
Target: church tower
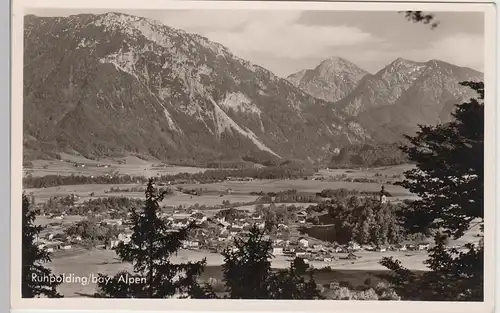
[{"x": 383, "y": 195}]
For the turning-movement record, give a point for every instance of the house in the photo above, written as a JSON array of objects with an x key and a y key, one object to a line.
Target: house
[
  {"x": 368, "y": 248},
  {"x": 256, "y": 216},
  {"x": 110, "y": 221},
  {"x": 282, "y": 226},
  {"x": 304, "y": 242},
  {"x": 354, "y": 245},
  {"x": 190, "y": 244},
  {"x": 401, "y": 247},
  {"x": 124, "y": 237},
  {"x": 277, "y": 251},
  {"x": 423, "y": 246},
  {"x": 302, "y": 214},
  {"x": 339, "y": 249},
  {"x": 318, "y": 247}
]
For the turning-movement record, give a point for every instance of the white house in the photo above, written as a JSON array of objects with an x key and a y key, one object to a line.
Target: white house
[
  {"x": 277, "y": 251},
  {"x": 339, "y": 249},
  {"x": 354, "y": 245},
  {"x": 190, "y": 244},
  {"x": 124, "y": 237},
  {"x": 304, "y": 242},
  {"x": 423, "y": 246}
]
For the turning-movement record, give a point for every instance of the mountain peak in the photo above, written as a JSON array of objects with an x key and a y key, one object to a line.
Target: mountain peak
[
  {"x": 330, "y": 80},
  {"x": 401, "y": 62},
  {"x": 336, "y": 58}
]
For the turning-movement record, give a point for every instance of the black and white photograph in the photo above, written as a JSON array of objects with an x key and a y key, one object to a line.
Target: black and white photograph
[{"x": 264, "y": 154}]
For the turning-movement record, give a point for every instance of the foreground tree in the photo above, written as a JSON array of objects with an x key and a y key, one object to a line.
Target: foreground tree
[
  {"x": 449, "y": 180},
  {"x": 248, "y": 274},
  {"x": 35, "y": 277},
  {"x": 149, "y": 250},
  {"x": 422, "y": 17}
]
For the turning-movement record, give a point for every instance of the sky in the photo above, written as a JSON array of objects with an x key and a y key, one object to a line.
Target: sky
[{"x": 288, "y": 41}]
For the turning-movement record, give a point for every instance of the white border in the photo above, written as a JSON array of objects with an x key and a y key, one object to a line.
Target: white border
[{"x": 249, "y": 305}]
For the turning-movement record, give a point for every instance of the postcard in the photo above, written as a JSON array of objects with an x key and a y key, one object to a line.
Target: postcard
[{"x": 216, "y": 155}]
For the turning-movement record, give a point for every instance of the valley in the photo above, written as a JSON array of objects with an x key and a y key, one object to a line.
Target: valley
[{"x": 82, "y": 260}]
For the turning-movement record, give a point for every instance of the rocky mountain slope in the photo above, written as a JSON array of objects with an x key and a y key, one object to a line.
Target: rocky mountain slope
[
  {"x": 332, "y": 80},
  {"x": 404, "y": 94},
  {"x": 113, "y": 84}
]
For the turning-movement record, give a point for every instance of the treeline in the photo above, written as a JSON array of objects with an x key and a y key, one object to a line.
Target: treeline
[
  {"x": 92, "y": 232},
  {"x": 363, "y": 220},
  {"x": 209, "y": 176},
  {"x": 61, "y": 180},
  {"x": 342, "y": 193},
  {"x": 367, "y": 155},
  {"x": 113, "y": 205}
]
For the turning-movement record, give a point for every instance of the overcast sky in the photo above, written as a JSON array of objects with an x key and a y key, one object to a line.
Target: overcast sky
[{"x": 288, "y": 41}]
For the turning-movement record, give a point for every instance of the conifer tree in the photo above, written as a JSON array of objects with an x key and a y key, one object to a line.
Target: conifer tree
[
  {"x": 449, "y": 180},
  {"x": 35, "y": 277},
  {"x": 248, "y": 274},
  {"x": 149, "y": 250}
]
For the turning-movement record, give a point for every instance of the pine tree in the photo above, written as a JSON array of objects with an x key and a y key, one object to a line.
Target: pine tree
[
  {"x": 248, "y": 274},
  {"x": 449, "y": 180},
  {"x": 247, "y": 266},
  {"x": 35, "y": 277},
  {"x": 149, "y": 250}
]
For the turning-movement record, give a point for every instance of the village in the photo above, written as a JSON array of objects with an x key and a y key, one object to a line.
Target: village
[{"x": 216, "y": 229}]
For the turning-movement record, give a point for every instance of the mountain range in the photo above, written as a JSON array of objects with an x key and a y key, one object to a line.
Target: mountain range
[
  {"x": 396, "y": 99},
  {"x": 115, "y": 84}
]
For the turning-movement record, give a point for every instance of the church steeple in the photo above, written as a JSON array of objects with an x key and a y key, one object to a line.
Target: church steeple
[{"x": 383, "y": 195}]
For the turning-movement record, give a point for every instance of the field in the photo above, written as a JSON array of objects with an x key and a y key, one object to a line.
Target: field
[
  {"x": 390, "y": 171},
  {"x": 309, "y": 186},
  {"x": 85, "y": 263},
  {"x": 127, "y": 166}
]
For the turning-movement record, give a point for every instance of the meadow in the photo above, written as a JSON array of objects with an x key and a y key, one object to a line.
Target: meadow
[
  {"x": 84, "y": 263},
  {"x": 129, "y": 165}
]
